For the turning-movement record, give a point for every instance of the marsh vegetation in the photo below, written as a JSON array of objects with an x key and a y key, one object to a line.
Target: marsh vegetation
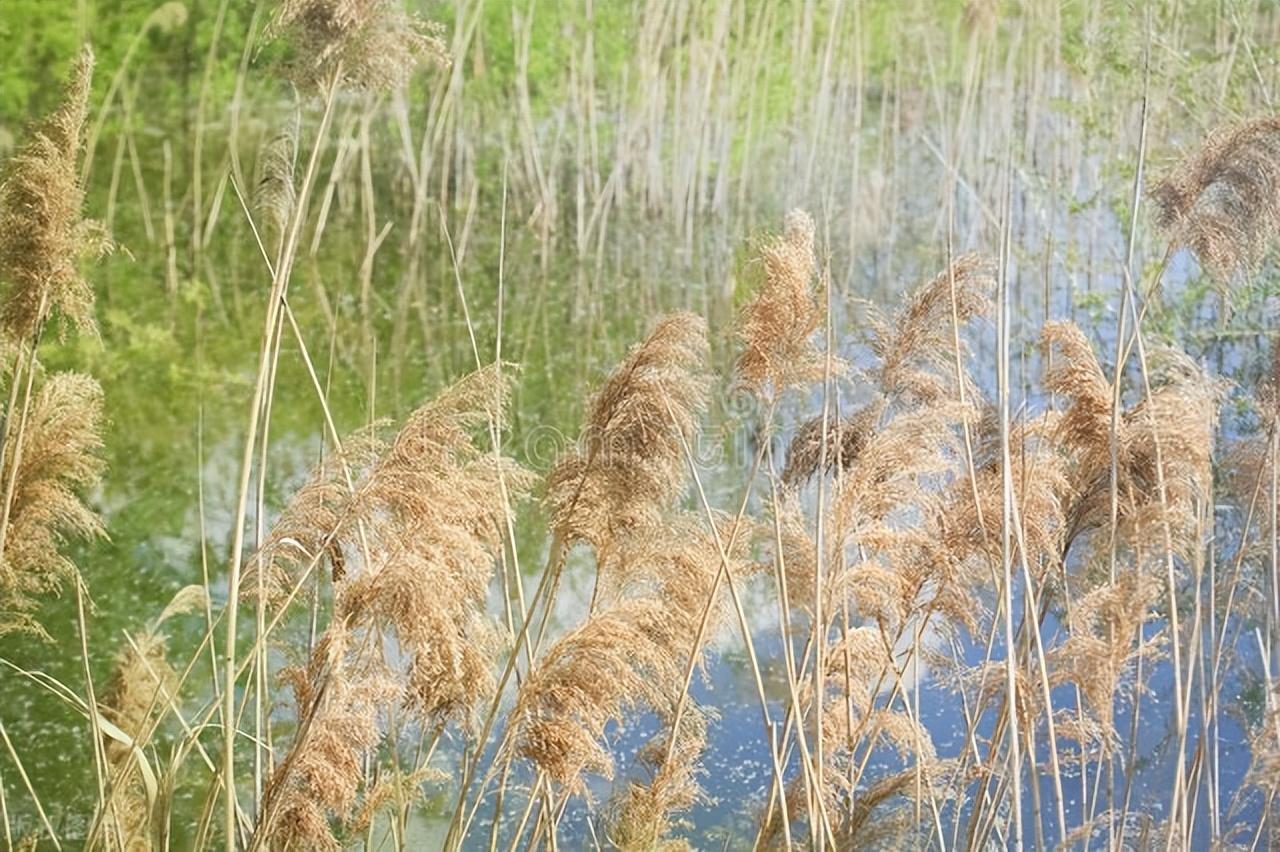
[{"x": 639, "y": 426}]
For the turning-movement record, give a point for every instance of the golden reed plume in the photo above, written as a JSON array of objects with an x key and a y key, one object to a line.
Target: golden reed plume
[
  {"x": 338, "y": 702},
  {"x": 58, "y": 461},
  {"x": 916, "y": 349},
  {"x": 1175, "y": 425},
  {"x": 630, "y": 652},
  {"x": 629, "y": 465},
  {"x": 1223, "y": 202},
  {"x": 411, "y": 529},
  {"x": 359, "y": 44},
  {"x": 42, "y": 235},
  {"x": 778, "y": 325},
  {"x": 142, "y": 689}
]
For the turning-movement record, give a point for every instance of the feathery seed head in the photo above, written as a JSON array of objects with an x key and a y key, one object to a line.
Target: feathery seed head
[
  {"x": 778, "y": 324},
  {"x": 42, "y": 236},
  {"x": 58, "y": 461},
  {"x": 629, "y": 464},
  {"x": 1223, "y": 202},
  {"x": 361, "y": 44}
]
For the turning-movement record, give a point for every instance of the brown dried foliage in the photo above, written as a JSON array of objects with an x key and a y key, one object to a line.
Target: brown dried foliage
[
  {"x": 846, "y": 438},
  {"x": 338, "y": 699}
]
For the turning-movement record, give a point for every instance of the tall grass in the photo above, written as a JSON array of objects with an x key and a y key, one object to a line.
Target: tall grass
[{"x": 930, "y": 496}]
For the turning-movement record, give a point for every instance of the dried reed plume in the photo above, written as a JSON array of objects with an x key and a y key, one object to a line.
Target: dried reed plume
[
  {"x": 1175, "y": 424},
  {"x": 42, "y": 236},
  {"x": 630, "y": 652},
  {"x": 412, "y": 543},
  {"x": 1041, "y": 489},
  {"x": 595, "y": 673},
  {"x": 629, "y": 463},
  {"x": 141, "y": 684},
  {"x": 916, "y": 349},
  {"x": 641, "y": 819},
  {"x": 1105, "y": 641},
  {"x": 58, "y": 461},
  {"x": 274, "y": 189},
  {"x": 778, "y": 325},
  {"x": 359, "y": 44},
  {"x": 138, "y": 695},
  {"x": 845, "y": 440},
  {"x": 338, "y": 701},
  {"x": 1224, "y": 201},
  {"x": 867, "y": 815}
]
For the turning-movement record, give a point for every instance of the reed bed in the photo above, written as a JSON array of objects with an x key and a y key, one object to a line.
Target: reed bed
[{"x": 988, "y": 560}]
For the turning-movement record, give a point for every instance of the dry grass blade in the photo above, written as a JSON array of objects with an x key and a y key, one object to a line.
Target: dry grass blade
[{"x": 142, "y": 688}]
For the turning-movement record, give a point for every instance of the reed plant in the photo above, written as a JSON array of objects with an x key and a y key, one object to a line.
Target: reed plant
[{"x": 967, "y": 566}]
